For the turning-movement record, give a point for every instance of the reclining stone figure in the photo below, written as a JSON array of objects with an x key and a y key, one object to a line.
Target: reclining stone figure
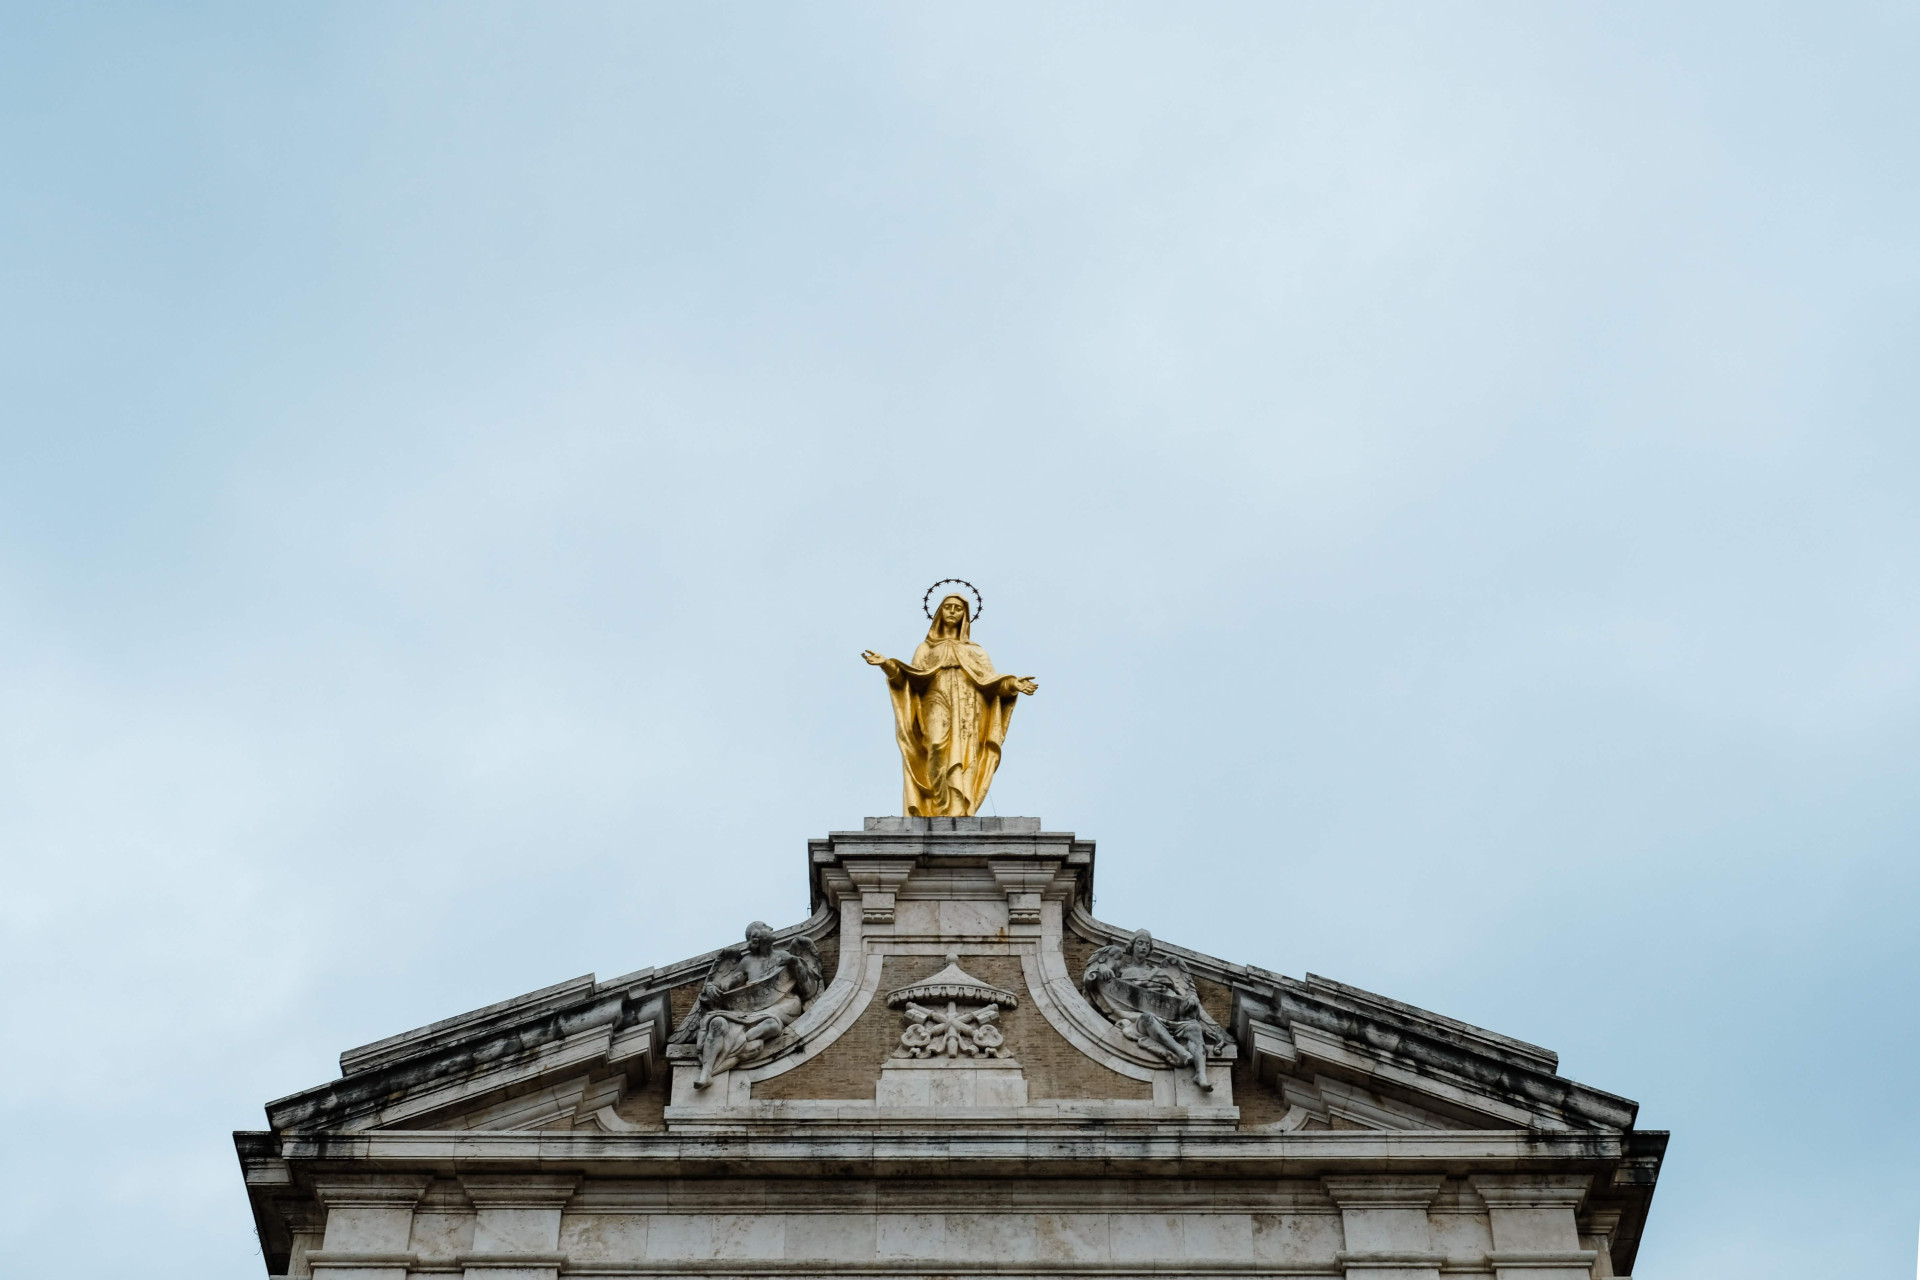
[
  {"x": 1155, "y": 1003},
  {"x": 752, "y": 994}
]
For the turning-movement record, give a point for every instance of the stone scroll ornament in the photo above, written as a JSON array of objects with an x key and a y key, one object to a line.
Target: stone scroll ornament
[
  {"x": 751, "y": 996},
  {"x": 1155, "y": 1002},
  {"x": 964, "y": 1028},
  {"x": 950, "y": 710}
]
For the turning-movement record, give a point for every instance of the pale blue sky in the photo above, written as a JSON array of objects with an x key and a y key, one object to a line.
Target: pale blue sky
[{"x": 1453, "y": 469}]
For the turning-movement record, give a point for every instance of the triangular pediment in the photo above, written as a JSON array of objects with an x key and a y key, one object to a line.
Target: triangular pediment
[{"x": 993, "y": 897}]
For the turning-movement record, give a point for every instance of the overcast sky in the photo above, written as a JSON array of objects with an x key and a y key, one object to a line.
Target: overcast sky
[{"x": 1453, "y": 470}]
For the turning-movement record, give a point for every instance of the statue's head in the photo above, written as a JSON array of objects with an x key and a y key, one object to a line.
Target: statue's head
[
  {"x": 952, "y": 618},
  {"x": 759, "y": 938},
  {"x": 1140, "y": 946}
]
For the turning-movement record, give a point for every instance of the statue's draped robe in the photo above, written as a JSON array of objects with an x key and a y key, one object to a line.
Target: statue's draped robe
[
  {"x": 1127, "y": 989},
  {"x": 779, "y": 999},
  {"x": 950, "y": 714},
  {"x": 741, "y": 1004}
]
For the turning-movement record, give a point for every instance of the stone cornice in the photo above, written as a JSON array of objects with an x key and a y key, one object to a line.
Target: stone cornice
[
  {"x": 984, "y": 1153},
  {"x": 1295, "y": 1028},
  {"x": 1002, "y": 844}
]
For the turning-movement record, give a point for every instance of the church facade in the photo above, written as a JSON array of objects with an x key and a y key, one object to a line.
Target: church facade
[{"x": 950, "y": 1069}]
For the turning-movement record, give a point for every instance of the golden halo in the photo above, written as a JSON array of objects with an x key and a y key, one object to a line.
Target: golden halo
[{"x": 979, "y": 605}]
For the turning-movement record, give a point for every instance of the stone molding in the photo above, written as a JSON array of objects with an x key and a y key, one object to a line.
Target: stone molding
[
  {"x": 610, "y": 1036},
  {"x": 371, "y": 1190},
  {"x": 467, "y": 1026},
  {"x": 1528, "y": 1260},
  {"x": 519, "y": 1190},
  {"x": 893, "y": 1119},
  {"x": 1530, "y": 1191},
  {"x": 1121, "y": 1148},
  {"x": 1011, "y": 1193},
  {"x": 1383, "y": 1192},
  {"x": 1289, "y": 1028},
  {"x": 1005, "y": 844},
  {"x": 910, "y": 1270},
  {"x": 878, "y": 881},
  {"x": 359, "y": 1260}
]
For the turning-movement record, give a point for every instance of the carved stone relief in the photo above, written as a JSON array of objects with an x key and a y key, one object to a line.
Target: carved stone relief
[
  {"x": 753, "y": 993},
  {"x": 965, "y": 1026},
  {"x": 1154, "y": 1002}
]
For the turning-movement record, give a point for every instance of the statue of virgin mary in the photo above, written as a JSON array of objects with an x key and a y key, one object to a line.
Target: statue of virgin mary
[{"x": 950, "y": 714}]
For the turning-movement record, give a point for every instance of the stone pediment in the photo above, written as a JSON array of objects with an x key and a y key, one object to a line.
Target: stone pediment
[
  {"x": 893, "y": 902},
  {"x": 953, "y": 998}
]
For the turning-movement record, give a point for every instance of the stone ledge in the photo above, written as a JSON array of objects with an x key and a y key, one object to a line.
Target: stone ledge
[
  {"x": 907, "y": 1270},
  {"x": 858, "y": 1115},
  {"x": 981, "y": 1153},
  {"x": 379, "y": 1191},
  {"x": 979, "y": 824},
  {"x": 1523, "y": 1259}
]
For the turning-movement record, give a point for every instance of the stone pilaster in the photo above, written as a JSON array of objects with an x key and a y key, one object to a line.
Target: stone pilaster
[
  {"x": 516, "y": 1230},
  {"x": 1535, "y": 1236},
  {"x": 1387, "y": 1231},
  {"x": 1596, "y": 1233},
  {"x": 306, "y": 1229},
  {"x": 369, "y": 1231}
]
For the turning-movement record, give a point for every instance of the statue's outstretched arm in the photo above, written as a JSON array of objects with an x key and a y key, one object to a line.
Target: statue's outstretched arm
[{"x": 895, "y": 669}]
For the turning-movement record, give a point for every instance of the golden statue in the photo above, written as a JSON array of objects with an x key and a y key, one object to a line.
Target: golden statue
[{"x": 950, "y": 711}]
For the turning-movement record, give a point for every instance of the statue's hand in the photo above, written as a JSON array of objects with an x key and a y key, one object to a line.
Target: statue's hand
[
  {"x": 1027, "y": 684},
  {"x": 873, "y": 659}
]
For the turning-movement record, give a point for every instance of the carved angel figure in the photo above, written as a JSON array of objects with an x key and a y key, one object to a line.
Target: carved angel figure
[
  {"x": 1155, "y": 1002},
  {"x": 752, "y": 994}
]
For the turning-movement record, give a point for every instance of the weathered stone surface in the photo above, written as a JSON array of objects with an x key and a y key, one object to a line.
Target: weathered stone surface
[{"x": 560, "y": 1134}]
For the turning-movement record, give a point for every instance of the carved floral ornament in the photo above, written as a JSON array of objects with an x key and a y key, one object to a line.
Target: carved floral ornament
[{"x": 964, "y": 1028}]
